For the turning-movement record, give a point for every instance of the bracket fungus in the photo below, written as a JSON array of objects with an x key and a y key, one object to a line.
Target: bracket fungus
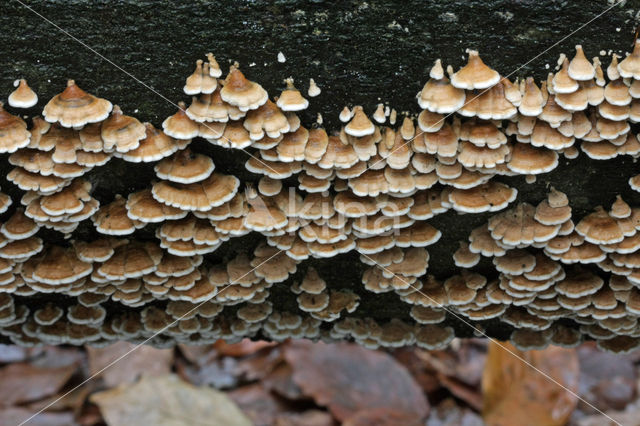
[{"x": 371, "y": 195}]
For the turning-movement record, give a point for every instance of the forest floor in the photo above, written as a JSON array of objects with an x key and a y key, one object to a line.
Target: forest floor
[{"x": 473, "y": 382}]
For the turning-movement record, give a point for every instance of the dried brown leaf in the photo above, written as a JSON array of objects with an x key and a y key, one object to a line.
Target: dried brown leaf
[
  {"x": 167, "y": 400},
  {"x": 348, "y": 378},
  {"x": 131, "y": 364},
  {"x": 516, "y": 393},
  {"x": 23, "y": 382}
]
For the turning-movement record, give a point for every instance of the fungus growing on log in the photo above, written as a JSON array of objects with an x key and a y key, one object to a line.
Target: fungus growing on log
[{"x": 329, "y": 218}]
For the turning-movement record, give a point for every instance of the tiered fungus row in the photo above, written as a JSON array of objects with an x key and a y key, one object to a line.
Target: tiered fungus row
[{"x": 367, "y": 187}]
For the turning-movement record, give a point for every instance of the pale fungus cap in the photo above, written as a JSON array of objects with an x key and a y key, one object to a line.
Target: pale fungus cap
[
  {"x": 579, "y": 67},
  {"x": 23, "y": 96},
  {"x": 201, "y": 80},
  {"x": 314, "y": 89},
  {"x": 475, "y": 75},
  {"x": 291, "y": 99},
  {"x": 242, "y": 93},
  {"x": 629, "y": 67},
  {"x": 532, "y": 99},
  {"x": 74, "y": 107}
]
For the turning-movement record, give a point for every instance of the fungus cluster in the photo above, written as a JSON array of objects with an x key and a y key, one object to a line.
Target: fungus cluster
[{"x": 368, "y": 187}]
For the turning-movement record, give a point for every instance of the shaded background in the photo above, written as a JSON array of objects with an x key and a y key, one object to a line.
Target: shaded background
[{"x": 358, "y": 52}]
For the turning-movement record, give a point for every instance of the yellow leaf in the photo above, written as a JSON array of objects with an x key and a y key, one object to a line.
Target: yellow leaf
[
  {"x": 167, "y": 401},
  {"x": 515, "y": 393}
]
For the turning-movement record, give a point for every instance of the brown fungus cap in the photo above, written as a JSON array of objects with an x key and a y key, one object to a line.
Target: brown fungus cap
[
  {"x": 600, "y": 228},
  {"x": 74, "y": 107},
  {"x": 438, "y": 95},
  {"x": 70, "y": 200},
  {"x": 131, "y": 260},
  {"x": 267, "y": 119},
  {"x": 533, "y": 100},
  {"x": 475, "y": 75},
  {"x": 185, "y": 167},
  {"x": 201, "y": 80},
  {"x": 489, "y": 104},
  {"x": 99, "y": 250},
  {"x": 579, "y": 67},
  {"x": 19, "y": 226},
  {"x": 492, "y": 196},
  {"x": 527, "y": 159},
  {"x": 58, "y": 266},
  {"x": 141, "y": 206},
  {"x": 179, "y": 125},
  {"x": 555, "y": 210},
  {"x": 518, "y": 226},
  {"x": 242, "y": 93},
  {"x": 13, "y": 132},
  {"x": 360, "y": 125},
  {"x": 620, "y": 209},
  {"x": 112, "y": 219},
  {"x": 201, "y": 196},
  {"x": 121, "y": 132}
]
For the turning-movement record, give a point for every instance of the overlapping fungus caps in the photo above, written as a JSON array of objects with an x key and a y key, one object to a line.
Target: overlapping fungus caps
[
  {"x": 55, "y": 266},
  {"x": 268, "y": 119},
  {"x": 131, "y": 260},
  {"x": 74, "y": 107},
  {"x": 242, "y": 93},
  {"x": 154, "y": 146},
  {"x": 438, "y": 95}
]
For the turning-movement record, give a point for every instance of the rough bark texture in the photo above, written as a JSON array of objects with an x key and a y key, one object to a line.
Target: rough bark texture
[{"x": 137, "y": 54}]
